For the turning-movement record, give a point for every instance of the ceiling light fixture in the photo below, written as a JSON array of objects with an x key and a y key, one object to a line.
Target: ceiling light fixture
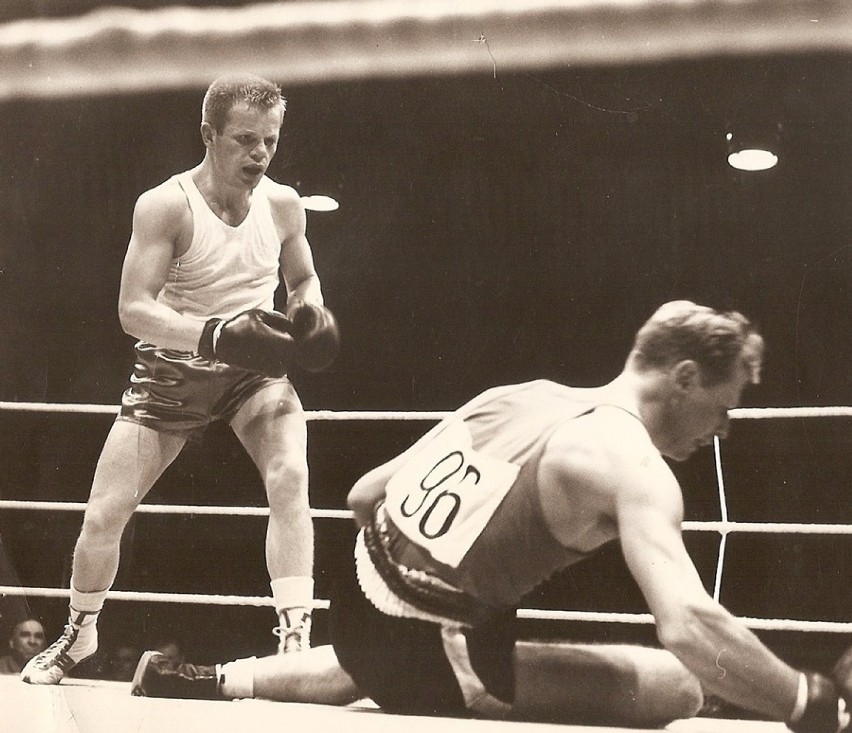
[
  {"x": 753, "y": 151},
  {"x": 319, "y": 202}
]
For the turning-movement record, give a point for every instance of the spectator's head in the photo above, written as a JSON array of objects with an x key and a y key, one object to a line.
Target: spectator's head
[
  {"x": 26, "y": 640},
  {"x": 123, "y": 661},
  {"x": 171, "y": 648}
]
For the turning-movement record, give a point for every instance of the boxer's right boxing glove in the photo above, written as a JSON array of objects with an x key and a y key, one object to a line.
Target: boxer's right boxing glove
[
  {"x": 256, "y": 340},
  {"x": 842, "y": 674},
  {"x": 825, "y": 710}
]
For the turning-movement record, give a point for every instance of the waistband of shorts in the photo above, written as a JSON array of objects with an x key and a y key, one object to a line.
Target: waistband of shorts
[
  {"x": 146, "y": 349},
  {"x": 408, "y": 591},
  {"x": 377, "y": 591}
]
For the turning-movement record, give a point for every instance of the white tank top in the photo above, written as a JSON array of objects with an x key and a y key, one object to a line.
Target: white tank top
[{"x": 226, "y": 269}]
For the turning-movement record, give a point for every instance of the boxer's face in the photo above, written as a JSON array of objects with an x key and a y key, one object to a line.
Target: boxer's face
[
  {"x": 697, "y": 412},
  {"x": 243, "y": 149}
]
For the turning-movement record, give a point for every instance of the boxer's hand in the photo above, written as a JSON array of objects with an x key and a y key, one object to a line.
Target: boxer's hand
[
  {"x": 257, "y": 340},
  {"x": 317, "y": 335},
  {"x": 825, "y": 711},
  {"x": 842, "y": 675}
]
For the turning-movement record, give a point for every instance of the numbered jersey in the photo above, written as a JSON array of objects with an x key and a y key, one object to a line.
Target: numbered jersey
[
  {"x": 465, "y": 504},
  {"x": 444, "y": 496}
]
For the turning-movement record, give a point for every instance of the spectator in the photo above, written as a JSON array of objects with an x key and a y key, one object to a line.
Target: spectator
[
  {"x": 26, "y": 640},
  {"x": 170, "y": 647},
  {"x": 121, "y": 663}
]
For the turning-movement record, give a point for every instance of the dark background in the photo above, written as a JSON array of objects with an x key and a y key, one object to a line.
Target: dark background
[{"x": 490, "y": 230}]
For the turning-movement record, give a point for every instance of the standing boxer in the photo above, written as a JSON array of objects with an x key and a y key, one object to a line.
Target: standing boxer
[{"x": 197, "y": 289}]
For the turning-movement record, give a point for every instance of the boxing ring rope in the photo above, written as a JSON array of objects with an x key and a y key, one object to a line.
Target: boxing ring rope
[
  {"x": 738, "y": 413},
  {"x": 724, "y": 526},
  {"x": 723, "y": 510},
  {"x": 125, "y": 50}
]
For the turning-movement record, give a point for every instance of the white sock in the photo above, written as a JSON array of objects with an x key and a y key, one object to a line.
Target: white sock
[
  {"x": 83, "y": 611},
  {"x": 236, "y": 679},
  {"x": 87, "y": 602},
  {"x": 294, "y": 592}
]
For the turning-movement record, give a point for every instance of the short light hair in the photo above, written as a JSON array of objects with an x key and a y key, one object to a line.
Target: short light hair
[
  {"x": 718, "y": 341},
  {"x": 227, "y": 91}
]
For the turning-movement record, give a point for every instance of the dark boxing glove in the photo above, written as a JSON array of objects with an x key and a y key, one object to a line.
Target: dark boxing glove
[
  {"x": 317, "y": 335},
  {"x": 256, "y": 340},
  {"x": 825, "y": 711},
  {"x": 842, "y": 674}
]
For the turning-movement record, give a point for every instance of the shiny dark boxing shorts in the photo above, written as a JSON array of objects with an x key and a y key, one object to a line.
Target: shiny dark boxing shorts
[
  {"x": 402, "y": 664},
  {"x": 179, "y": 392}
]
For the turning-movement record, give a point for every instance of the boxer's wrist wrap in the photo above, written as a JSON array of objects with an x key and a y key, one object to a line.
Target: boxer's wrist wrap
[
  {"x": 801, "y": 699},
  {"x": 216, "y": 333},
  {"x": 209, "y": 337}
]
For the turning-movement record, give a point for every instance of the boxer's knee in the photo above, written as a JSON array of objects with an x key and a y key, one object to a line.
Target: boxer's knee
[
  {"x": 687, "y": 697},
  {"x": 286, "y": 481},
  {"x": 105, "y": 519}
]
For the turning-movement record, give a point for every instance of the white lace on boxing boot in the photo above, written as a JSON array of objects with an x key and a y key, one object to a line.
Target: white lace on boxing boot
[{"x": 294, "y": 630}]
